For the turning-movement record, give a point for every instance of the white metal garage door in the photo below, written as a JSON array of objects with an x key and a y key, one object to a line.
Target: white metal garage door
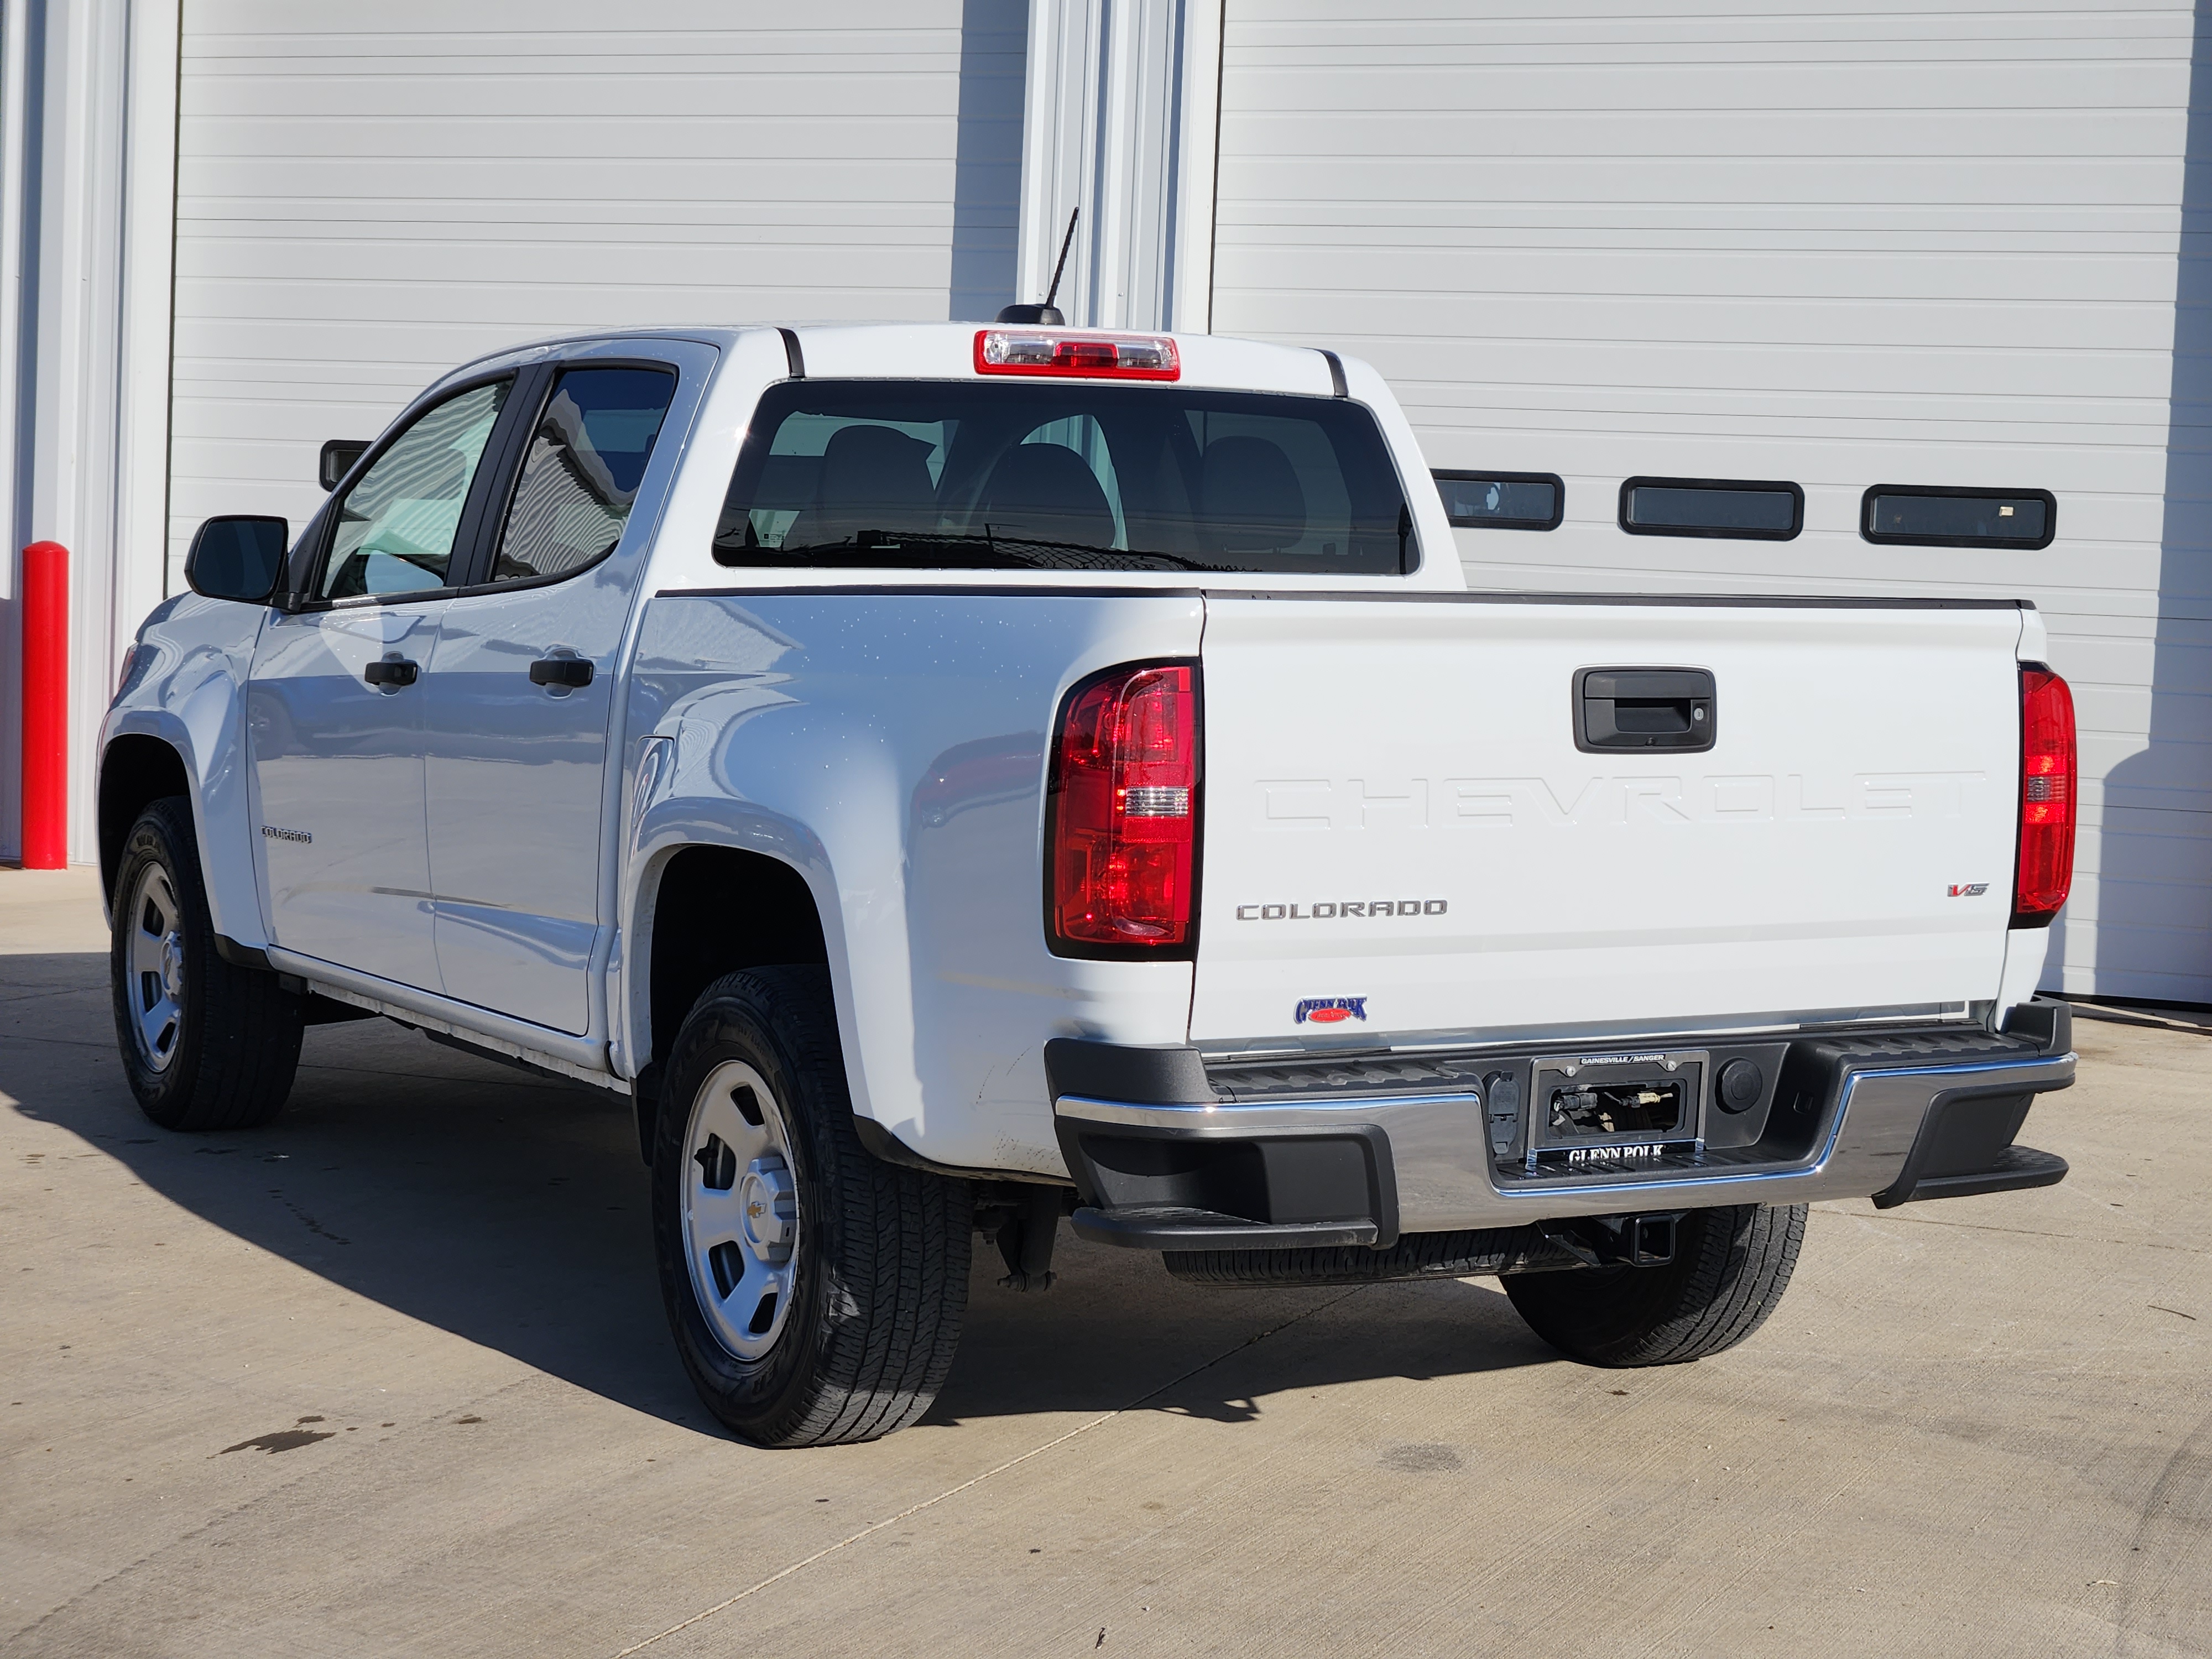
[
  {"x": 1763, "y": 241},
  {"x": 367, "y": 195}
]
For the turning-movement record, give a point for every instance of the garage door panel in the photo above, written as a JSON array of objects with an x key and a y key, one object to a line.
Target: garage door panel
[
  {"x": 2113, "y": 904},
  {"x": 1424, "y": 260},
  {"x": 2149, "y": 848},
  {"x": 415, "y": 101},
  {"x": 301, "y": 273},
  {"x": 1527, "y": 169},
  {"x": 402, "y": 32},
  {"x": 1896, "y": 348},
  {"x": 1429, "y": 337},
  {"x": 2109, "y": 660},
  {"x": 601, "y": 152}
]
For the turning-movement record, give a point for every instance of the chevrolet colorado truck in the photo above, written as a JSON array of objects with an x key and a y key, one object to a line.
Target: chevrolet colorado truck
[{"x": 947, "y": 780}]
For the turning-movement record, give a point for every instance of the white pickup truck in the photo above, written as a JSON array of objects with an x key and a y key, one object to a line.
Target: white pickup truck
[{"x": 952, "y": 779}]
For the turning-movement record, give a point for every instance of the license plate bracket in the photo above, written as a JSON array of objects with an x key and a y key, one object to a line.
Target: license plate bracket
[{"x": 1613, "y": 1112}]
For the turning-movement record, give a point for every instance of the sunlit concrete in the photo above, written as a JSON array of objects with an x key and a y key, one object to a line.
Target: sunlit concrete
[{"x": 390, "y": 1377}]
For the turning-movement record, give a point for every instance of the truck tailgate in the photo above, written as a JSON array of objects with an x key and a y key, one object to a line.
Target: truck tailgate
[{"x": 1402, "y": 837}]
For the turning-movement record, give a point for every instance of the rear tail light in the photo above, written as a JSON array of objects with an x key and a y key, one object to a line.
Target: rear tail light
[
  {"x": 2048, "y": 775},
  {"x": 1050, "y": 351},
  {"x": 1121, "y": 815}
]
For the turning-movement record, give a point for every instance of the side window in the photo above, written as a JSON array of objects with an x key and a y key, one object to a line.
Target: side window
[
  {"x": 1501, "y": 501},
  {"x": 395, "y": 526},
  {"x": 581, "y": 474},
  {"x": 1911, "y": 515},
  {"x": 1712, "y": 507}
]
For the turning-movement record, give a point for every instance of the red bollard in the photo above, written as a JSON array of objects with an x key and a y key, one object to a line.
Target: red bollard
[{"x": 45, "y": 706}]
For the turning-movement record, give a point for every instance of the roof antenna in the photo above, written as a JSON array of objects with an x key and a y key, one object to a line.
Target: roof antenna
[{"x": 1048, "y": 314}]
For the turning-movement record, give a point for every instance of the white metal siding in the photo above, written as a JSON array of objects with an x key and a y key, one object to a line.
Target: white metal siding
[
  {"x": 368, "y": 195},
  {"x": 1888, "y": 245}
]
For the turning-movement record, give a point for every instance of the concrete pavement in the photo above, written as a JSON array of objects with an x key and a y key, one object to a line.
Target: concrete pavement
[{"x": 391, "y": 1377}]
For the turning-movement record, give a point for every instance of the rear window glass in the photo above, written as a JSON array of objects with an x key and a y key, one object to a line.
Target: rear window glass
[
  {"x": 948, "y": 474},
  {"x": 1922, "y": 517}
]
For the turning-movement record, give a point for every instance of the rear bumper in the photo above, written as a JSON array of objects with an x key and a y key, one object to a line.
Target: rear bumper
[{"x": 1171, "y": 1153}]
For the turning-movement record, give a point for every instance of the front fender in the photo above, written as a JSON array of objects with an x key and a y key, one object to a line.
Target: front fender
[{"x": 186, "y": 689}]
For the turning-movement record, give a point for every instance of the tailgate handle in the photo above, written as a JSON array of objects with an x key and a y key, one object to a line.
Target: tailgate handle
[{"x": 1643, "y": 708}]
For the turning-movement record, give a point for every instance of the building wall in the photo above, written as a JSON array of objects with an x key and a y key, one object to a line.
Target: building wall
[
  {"x": 367, "y": 197},
  {"x": 1892, "y": 244}
]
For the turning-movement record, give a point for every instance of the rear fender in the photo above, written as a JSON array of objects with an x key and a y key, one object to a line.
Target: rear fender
[{"x": 889, "y": 747}]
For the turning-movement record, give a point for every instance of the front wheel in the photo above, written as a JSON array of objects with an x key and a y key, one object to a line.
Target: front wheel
[
  {"x": 1730, "y": 1268},
  {"x": 206, "y": 1044},
  {"x": 815, "y": 1293}
]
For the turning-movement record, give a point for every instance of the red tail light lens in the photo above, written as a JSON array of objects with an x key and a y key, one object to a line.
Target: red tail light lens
[
  {"x": 2048, "y": 777},
  {"x": 1121, "y": 815},
  {"x": 1048, "y": 351}
]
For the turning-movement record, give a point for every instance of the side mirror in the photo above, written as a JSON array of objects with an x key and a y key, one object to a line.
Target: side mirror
[
  {"x": 237, "y": 556},
  {"x": 338, "y": 457}
]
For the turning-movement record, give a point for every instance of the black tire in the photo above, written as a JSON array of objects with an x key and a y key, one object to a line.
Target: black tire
[
  {"x": 227, "y": 1059},
  {"x": 1730, "y": 1268},
  {"x": 878, "y": 1276}
]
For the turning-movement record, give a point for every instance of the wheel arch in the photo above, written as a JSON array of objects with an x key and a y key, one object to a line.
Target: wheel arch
[
  {"x": 710, "y": 909},
  {"x": 135, "y": 769},
  {"x": 702, "y": 907}
]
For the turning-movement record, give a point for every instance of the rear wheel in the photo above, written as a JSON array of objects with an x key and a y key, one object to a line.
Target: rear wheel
[
  {"x": 1730, "y": 1268},
  {"x": 816, "y": 1292},
  {"x": 206, "y": 1044}
]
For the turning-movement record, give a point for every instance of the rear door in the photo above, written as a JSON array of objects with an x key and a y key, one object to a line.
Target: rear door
[
  {"x": 1407, "y": 829},
  {"x": 517, "y": 718}
]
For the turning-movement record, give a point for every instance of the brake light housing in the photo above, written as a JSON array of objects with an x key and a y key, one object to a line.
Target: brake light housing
[
  {"x": 2043, "y": 869},
  {"x": 1121, "y": 810},
  {"x": 1084, "y": 356}
]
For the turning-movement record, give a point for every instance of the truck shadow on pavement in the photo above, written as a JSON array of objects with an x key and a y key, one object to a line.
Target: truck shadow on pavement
[{"x": 512, "y": 1211}]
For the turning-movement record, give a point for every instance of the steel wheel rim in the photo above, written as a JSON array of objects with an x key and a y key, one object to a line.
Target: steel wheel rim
[
  {"x": 740, "y": 1209},
  {"x": 155, "y": 985}
]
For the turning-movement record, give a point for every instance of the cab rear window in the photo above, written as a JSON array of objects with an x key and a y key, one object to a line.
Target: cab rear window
[{"x": 948, "y": 474}]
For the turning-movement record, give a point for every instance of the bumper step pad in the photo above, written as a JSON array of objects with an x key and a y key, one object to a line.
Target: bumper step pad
[{"x": 2015, "y": 1168}]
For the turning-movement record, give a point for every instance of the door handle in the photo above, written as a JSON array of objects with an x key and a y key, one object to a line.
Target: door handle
[
  {"x": 1644, "y": 708},
  {"x": 391, "y": 674},
  {"x": 571, "y": 671}
]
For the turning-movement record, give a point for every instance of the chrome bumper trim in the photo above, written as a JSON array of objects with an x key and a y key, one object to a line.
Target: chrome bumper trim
[{"x": 1445, "y": 1180}]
